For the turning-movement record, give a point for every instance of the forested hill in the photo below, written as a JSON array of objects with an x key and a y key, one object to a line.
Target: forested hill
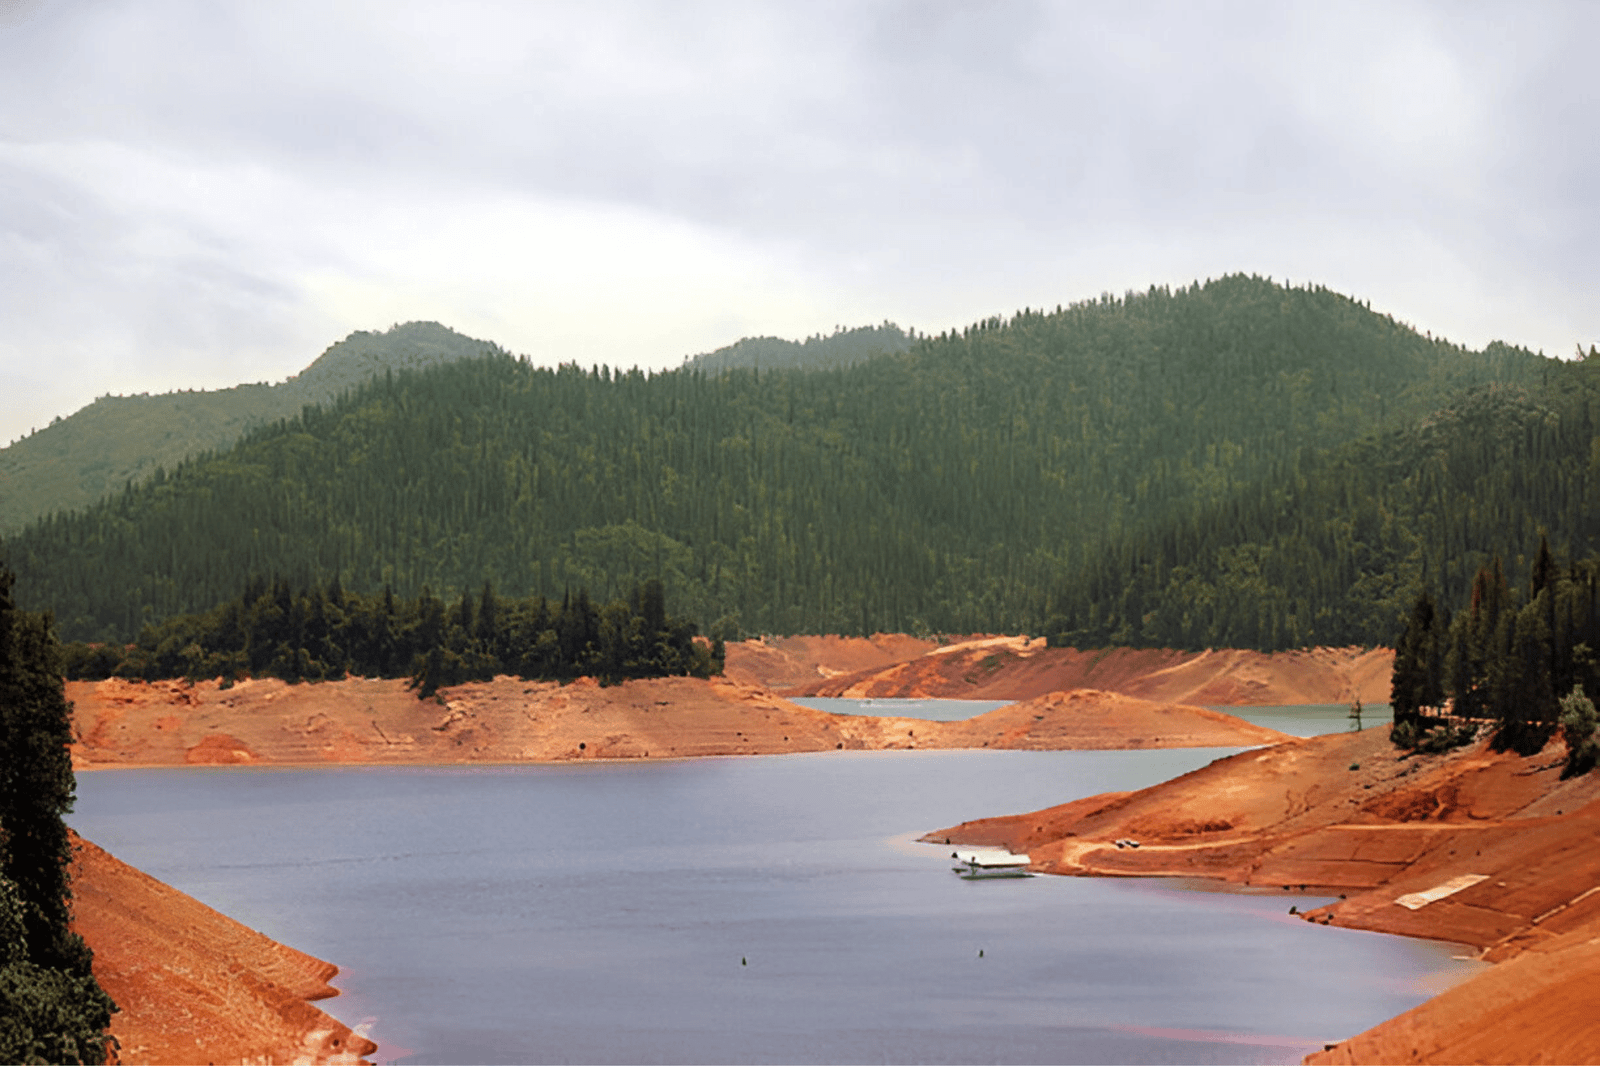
[
  {"x": 1330, "y": 547},
  {"x": 78, "y": 459},
  {"x": 1235, "y": 462},
  {"x": 843, "y": 347}
]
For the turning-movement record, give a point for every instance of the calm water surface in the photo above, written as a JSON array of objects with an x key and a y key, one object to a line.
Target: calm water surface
[
  {"x": 769, "y": 909},
  {"x": 928, "y": 710},
  {"x": 1312, "y": 719},
  {"x": 1302, "y": 720}
]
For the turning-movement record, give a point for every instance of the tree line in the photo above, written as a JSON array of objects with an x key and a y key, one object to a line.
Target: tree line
[
  {"x": 1520, "y": 660},
  {"x": 51, "y": 1007},
  {"x": 320, "y": 633}
]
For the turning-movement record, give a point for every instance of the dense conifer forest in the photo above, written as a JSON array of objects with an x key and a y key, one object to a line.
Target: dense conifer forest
[
  {"x": 1232, "y": 463},
  {"x": 842, "y": 347},
  {"x": 1333, "y": 548},
  {"x": 320, "y": 634},
  {"x": 1523, "y": 662}
]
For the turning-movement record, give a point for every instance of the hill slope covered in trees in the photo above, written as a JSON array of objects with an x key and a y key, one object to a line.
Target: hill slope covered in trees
[
  {"x": 1230, "y": 463},
  {"x": 1334, "y": 544},
  {"x": 117, "y": 439}
]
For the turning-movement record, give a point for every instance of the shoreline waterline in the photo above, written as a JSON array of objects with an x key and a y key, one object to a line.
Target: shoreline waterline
[{"x": 790, "y": 845}]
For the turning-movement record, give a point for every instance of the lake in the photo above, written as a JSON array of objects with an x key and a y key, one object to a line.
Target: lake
[
  {"x": 1299, "y": 720},
  {"x": 1312, "y": 719},
  {"x": 756, "y": 909}
]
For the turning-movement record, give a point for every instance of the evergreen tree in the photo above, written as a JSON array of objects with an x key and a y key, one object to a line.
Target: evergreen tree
[
  {"x": 1508, "y": 662},
  {"x": 488, "y": 633},
  {"x": 36, "y": 781},
  {"x": 1417, "y": 681},
  {"x": 51, "y": 1007},
  {"x": 1523, "y": 702}
]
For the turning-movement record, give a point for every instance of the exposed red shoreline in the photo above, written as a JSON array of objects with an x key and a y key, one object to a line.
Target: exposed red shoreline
[
  {"x": 122, "y": 723},
  {"x": 194, "y": 985},
  {"x": 1019, "y": 668},
  {"x": 1488, "y": 849}
]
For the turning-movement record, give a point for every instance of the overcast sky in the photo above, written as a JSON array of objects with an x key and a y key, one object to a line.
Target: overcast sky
[{"x": 198, "y": 194}]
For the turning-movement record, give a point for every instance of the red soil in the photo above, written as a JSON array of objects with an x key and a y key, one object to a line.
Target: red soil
[
  {"x": 1018, "y": 668},
  {"x": 194, "y": 985},
  {"x": 121, "y": 723},
  {"x": 790, "y": 662},
  {"x": 1537, "y": 1007},
  {"x": 1349, "y": 814},
  {"x": 1086, "y": 719}
]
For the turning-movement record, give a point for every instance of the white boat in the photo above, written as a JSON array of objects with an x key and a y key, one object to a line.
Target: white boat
[{"x": 981, "y": 865}]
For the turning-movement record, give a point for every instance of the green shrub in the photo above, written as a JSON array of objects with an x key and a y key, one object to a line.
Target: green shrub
[{"x": 1578, "y": 722}]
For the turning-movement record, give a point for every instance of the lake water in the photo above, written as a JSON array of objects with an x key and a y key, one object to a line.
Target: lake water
[
  {"x": 1313, "y": 719},
  {"x": 1302, "y": 720},
  {"x": 758, "y": 909},
  {"x": 928, "y": 710}
]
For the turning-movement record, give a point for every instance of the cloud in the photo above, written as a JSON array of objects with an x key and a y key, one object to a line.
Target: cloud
[{"x": 197, "y": 194}]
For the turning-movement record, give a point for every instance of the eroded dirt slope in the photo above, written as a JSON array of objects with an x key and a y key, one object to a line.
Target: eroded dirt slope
[
  {"x": 359, "y": 721},
  {"x": 1085, "y": 719},
  {"x": 194, "y": 985},
  {"x": 1537, "y": 1007},
  {"x": 1018, "y": 668},
  {"x": 791, "y": 662}
]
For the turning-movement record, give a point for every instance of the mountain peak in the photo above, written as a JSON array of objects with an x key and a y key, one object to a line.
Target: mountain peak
[
  {"x": 366, "y": 353},
  {"x": 844, "y": 347},
  {"x": 121, "y": 439}
]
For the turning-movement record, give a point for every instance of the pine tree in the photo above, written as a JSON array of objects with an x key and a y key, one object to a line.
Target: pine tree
[
  {"x": 1522, "y": 700},
  {"x": 51, "y": 1006},
  {"x": 1417, "y": 681},
  {"x": 36, "y": 782}
]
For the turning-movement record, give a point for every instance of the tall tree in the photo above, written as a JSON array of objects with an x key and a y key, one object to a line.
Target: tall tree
[
  {"x": 1418, "y": 679},
  {"x": 47, "y": 973},
  {"x": 36, "y": 782},
  {"x": 1522, "y": 699}
]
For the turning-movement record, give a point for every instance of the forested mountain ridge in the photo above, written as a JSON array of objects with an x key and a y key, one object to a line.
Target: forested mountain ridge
[
  {"x": 1230, "y": 463},
  {"x": 79, "y": 459},
  {"x": 843, "y": 347},
  {"x": 1328, "y": 548}
]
